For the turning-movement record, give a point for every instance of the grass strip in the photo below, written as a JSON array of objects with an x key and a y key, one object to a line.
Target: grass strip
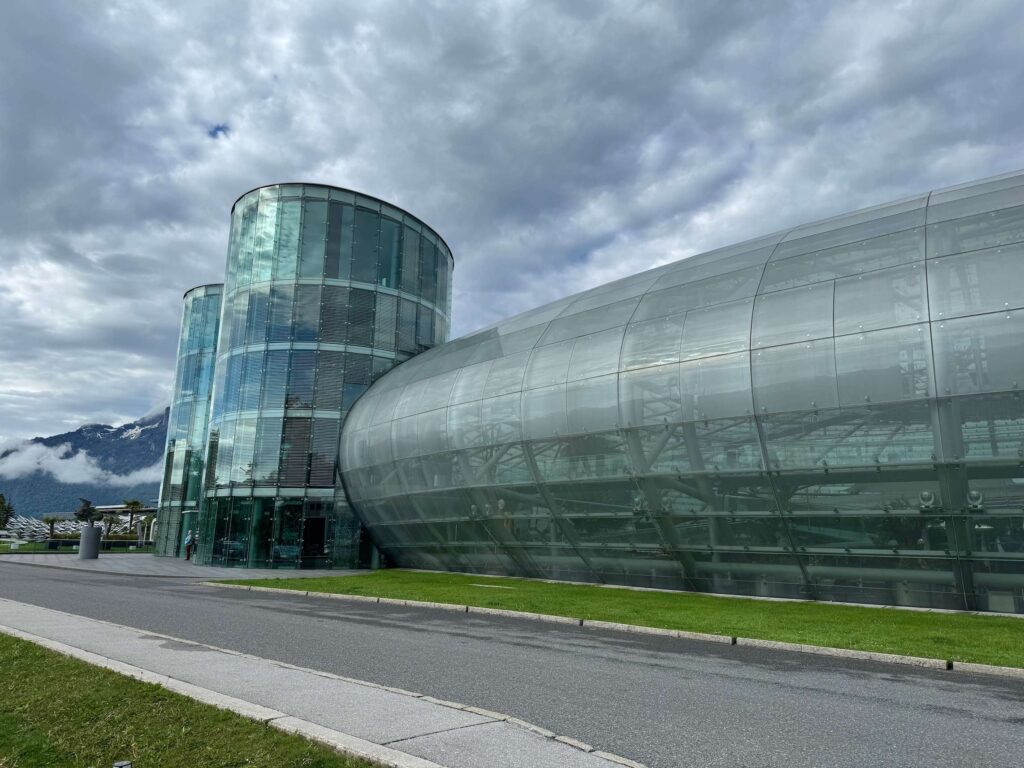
[
  {"x": 55, "y": 710},
  {"x": 958, "y": 637}
]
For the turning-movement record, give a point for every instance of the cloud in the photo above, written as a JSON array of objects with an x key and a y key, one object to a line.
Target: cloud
[
  {"x": 555, "y": 146},
  {"x": 67, "y": 467}
]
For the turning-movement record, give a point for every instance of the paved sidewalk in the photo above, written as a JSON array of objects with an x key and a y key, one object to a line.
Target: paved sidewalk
[
  {"x": 166, "y": 567},
  {"x": 449, "y": 735}
]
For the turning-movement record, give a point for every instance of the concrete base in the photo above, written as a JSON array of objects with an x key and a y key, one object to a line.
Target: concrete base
[{"x": 89, "y": 545}]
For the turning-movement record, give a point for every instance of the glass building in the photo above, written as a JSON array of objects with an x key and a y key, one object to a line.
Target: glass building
[
  {"x": 187, "y": 422},
  {"x": 326, "y": 289},
  {"x": 830, "y": 412}
]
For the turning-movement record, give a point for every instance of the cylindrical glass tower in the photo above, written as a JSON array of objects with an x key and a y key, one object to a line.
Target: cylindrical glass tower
[
  {"x": 326, "y": 290},
  {"x": 189, "y": 416}
]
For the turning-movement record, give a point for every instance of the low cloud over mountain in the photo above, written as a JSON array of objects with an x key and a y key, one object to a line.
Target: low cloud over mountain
[{"x": 102, "y": 463}]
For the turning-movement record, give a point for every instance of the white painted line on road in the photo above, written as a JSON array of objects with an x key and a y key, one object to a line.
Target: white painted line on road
[
  {"x": 818, "y": 650},
  {"x": 341, "y": 742}
]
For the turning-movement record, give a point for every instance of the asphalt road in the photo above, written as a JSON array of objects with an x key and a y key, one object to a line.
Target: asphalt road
[{"x": 661, "y": 701}]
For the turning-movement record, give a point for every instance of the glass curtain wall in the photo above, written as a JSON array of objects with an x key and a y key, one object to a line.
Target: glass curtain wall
[
  {"x": 326, "y": 290},
  {"x": 187, "y": 422},
  {"x": 831, "y": 412}
]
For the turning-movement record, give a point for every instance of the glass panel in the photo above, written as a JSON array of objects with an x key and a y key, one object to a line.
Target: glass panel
[
  {"x": 242, "y": 457},
  {"x": 653, "y": 342},
  {"x": 470, "y": 384},
  {"x": 852, "y": 228},
  {"x": 301, "y": 371},
  {"x": 403, "y": 440},
  {"x": 233, "y": 383},
  {"x": 364, "y": 249},
  {"x": 385, "y": 323},
  {"x": 716, "y": 387},
  {"x": 280, "y": 313},
  {"x": 795, "y": 377},
  {"x": 287, "y": 252},
  {"x": 880, "y": 299},
  {"x": 252, "y": 377},
  {"x": 981, "y": 199},
  {"x": 506, "y": 375},
  {"x": 696, "y": 270},
  {"x": 432, "y": 431},
  {"x": 650, "y": 396},
  {"x": 406, "y": 326},
  {"x": 390, "y": 255},
  {"x": 323, "y": 449},
  {"x": 852, "y": 259},
  {"x": 979, "y": 354},
  {"x": 258, "y": 314},
  {"x": 893, "y": 364},
  {"x": 428, "y": 268},
  {"x": 501, "y": 418},
  {"x": 410, "y": 260},
  {"x": 334, "y": 314},
  {"x": 717, "y": 330},
  {"x": 793, "y": 315},
  {"x": 294, "y": 452},
  {"x": 424, "y": 326},
  {"x": 972, "y": 283},
  {"x": 591, "y": 321},
  {"x": 548, "y": 365},
  {"x": 332, "y": 258},
  {"x": 307, "y": 313},
  {"x": 329, "y": 380},
  {"x": 314, "y": 226},
  {"x": 985, "y": 230},
  {"x": 544, "y": 412},
  {"x": 360, "y": 316},
  {"x": 593, "y": 404},
  {"x": 464, "y": 427},
  {"x": 596, "y": 354},
  {"x": 266, "y": 228},
  {"x": 275, "y": 378}
]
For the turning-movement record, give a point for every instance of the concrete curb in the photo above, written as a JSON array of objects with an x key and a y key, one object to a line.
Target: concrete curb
[
  {"x": 843, "y": 653},
  {"x": 336, "y": 740}
]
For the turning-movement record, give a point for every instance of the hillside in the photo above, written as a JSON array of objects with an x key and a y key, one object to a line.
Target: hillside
[{"x": 102, "y": 463}]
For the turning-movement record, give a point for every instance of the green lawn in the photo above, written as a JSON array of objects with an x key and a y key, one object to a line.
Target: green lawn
[
  {"x": 957, "y": 637},
  {"x": 57, "y": 711}
]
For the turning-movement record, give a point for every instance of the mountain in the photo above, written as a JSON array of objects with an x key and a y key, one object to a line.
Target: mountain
[{"x": 101, "y": 463}]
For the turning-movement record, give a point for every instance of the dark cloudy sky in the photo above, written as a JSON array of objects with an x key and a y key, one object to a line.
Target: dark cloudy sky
[{"x": 554, "y": 145}]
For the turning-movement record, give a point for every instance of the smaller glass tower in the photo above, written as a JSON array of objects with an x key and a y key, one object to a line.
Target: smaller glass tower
[{"x": 187, "y": 423}]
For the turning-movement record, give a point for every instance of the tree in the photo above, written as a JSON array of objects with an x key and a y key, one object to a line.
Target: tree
[
  {"x": 110, "y": 520},
  {"x": 52, "y": 520},
  {"x": 87, "y": 513},
  {"x": 6, "y": 512},
  {"x": 133, "y": 506}
]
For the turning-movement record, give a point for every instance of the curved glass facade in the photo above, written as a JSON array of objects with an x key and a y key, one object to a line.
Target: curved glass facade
[
  {"x": 831, "y": 412},
  {"x": 326, "y": 290},
  {"x": 187, "y": 422}
]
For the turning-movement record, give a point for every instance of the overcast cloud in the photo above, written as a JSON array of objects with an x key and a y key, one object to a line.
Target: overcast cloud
[{"x": 555, "y": 146}]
